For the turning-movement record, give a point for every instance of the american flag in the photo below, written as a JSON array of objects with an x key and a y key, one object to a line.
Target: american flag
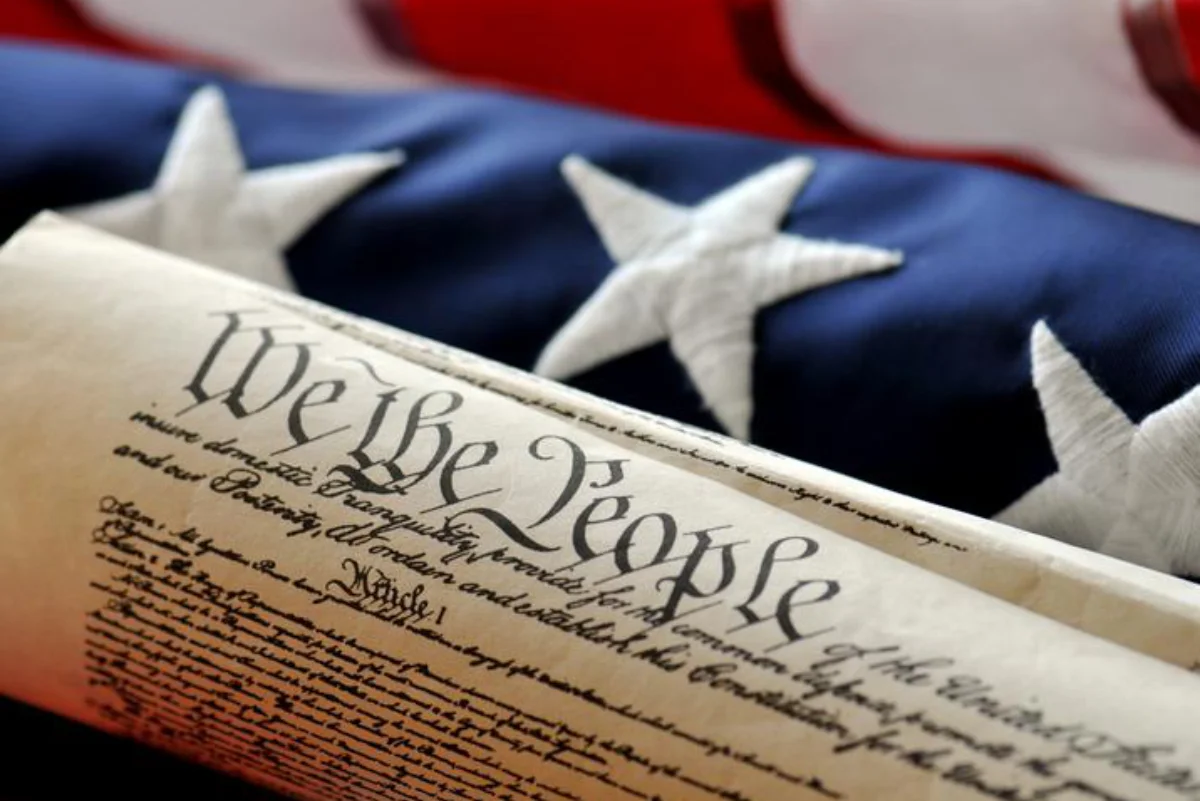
[
  {"x": 942, "y": 247},
  {"x": 1101, "y": 94}
]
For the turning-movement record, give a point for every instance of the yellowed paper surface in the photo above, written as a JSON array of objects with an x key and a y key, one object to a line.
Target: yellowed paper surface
[
  {"x": 236, "y": 533},
  {"x": 1144, "y": 610}
]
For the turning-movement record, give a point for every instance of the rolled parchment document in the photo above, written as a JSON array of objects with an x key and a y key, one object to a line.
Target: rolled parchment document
[{"x": 343, "y": 563}]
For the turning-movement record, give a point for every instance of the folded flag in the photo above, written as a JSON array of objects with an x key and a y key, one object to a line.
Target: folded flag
[{"x": 988, "y": 342}]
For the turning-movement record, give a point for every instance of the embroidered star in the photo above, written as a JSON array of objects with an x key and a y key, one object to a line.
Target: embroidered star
[
  {"x": 1130, "y": 491},
  {"x": 206, "y": 206},
  {"x": 696, "y": 277}
]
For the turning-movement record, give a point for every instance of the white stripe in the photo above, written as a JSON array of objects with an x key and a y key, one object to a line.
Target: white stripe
[
  {"x": 317, "y": 43},
  {"x": 1171, "y": 189},
  {"x": 1016, "y": 74}
]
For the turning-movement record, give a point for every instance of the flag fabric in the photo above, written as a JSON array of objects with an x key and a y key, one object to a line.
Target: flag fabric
[
  {"x": 1101, "y": 94},
  {"x": 985, "y": 341}
]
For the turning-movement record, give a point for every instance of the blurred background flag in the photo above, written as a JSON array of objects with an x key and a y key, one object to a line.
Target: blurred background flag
[{"x": 1101, "y": 94}]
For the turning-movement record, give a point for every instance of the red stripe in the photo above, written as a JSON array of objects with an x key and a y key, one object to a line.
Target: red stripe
[
  {"x": 673, "y": 60},
  {"x": 1187, "y": 23},
  {"x": 699, "y": 62},
  {"x": 1166, "y": 55}
]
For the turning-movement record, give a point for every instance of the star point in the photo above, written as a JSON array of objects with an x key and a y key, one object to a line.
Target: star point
[
  {"x": 1127, "y": 490},
  {"x": 696, "y": 277},
  {"x": 205, "y": 204}
]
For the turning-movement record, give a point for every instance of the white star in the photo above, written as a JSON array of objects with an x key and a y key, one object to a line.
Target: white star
[
  {"x": 697, "y": 276},
  {"x": 1130, "y": 491},
  {"x": 204, "y": 204}
]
